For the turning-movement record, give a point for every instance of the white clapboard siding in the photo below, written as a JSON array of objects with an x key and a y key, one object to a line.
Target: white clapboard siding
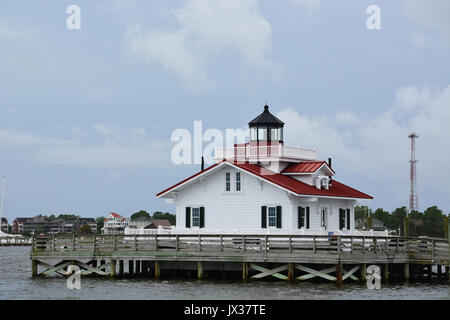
[{"x": 242, "y": 210}]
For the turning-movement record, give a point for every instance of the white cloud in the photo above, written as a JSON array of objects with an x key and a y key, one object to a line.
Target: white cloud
[
  {"x": 113, "y": 148},
  {"x": 430, "y": 14},
  {"x": 377, "y": 147},
  {"x": 206, "y": 29},
  {"x": 309, "y": 4}
]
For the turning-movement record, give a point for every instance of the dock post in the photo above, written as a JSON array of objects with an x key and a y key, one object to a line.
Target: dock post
[
  {"x": 157, "y": 271},
  {"x": 138, "y": 266},
  {"x": 113, "y": 268},
  {"x": 363, "y": 272},
  {"x": 339, "y": 272},
  {"x": 386, "y": 272},
  {"x": 130, "y": 266},
  {"x": 120, "y": 267},
  {"x": 94, "y": 263},
  {"x": 430, "y": 272},
  {"x": 406, "y": 271},
  {"x": 244, "y": 271},
  {"x": 291, "y": 272},
  {"x": 34, "y": 268},
  {"x": 200, "y": 270}
]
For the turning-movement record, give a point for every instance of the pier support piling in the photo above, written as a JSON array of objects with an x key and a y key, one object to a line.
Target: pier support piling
[
  {"x": 363, "y": 272},
  {"x": 130, "y": 267},
  {"x": 386, "y": 272},
  {"x": 339, "y": 273},
  {"x": 244, "y": 271},
  {"x": 406, "y": 271},
  {"x": 34, "y": 268},
  {"x": 121, "y": 268},
  {"x": 157, "y": 270},
  {"x": 291, "y": 272},
  {"x": 200, "y": 270},
  {"x": 113, "y": 268}
]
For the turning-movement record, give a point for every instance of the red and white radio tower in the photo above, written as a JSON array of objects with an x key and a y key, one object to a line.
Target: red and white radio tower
[{"x": 413, "y": 198}]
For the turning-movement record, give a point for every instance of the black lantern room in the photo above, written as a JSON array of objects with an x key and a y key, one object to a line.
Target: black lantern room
[{"x": 266, "y": 128}]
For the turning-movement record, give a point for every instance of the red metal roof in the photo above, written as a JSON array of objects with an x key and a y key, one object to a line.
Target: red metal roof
[
  {"x": 115, "y": 215},
  {"x": 337, "y": 189},
  {"x": 306, "y": 167}
]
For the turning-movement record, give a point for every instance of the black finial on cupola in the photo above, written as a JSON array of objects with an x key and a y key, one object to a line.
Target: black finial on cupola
[{"x": 266, "y": 118}]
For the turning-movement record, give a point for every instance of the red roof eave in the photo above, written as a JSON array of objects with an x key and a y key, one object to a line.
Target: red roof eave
[{"x": 295, "y": 186}]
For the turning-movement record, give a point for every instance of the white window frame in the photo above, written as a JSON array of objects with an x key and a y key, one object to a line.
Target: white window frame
[
  {"x": 322, "y": 222},
  {"x": 192, "y": 217},
  {"x": 268, "y": 216},
  {"x": 236, "y": 181},
  {"x": 228, "y": 187}
]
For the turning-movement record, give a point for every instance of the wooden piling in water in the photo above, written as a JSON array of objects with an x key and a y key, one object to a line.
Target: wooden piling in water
[
  {"x": 120, "y": 267},
  {"x": 157, "y": 270},
  {"x": 291, "y": 272},
  {"x": 113, "y": 268},
  {"x": 138, "y": 266},
  {"x": 244, "y": 271},
  {"x": 34, "y": 268},
  {"x": 363, "y": 269},
  {"x": 200, "y": 270},
  {"x": 406, "y": 271},
  {"x": 339, "y": 273},
  {"x": 386, "y": 272},
  {"x": 130, "y": 267}
]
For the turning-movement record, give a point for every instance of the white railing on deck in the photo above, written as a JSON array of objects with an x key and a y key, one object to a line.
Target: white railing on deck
[{"x": 276, "y": 151}]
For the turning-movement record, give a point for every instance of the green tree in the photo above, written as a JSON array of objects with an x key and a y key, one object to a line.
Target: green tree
[
  {"x": 165, "y": 215},
  {"x": 140, "y": 214},
  {"x": 84, "y": 229},
  {"x": 100, "y": 223}
]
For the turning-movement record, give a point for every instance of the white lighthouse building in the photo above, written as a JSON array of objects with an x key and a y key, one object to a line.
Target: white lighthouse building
[{"x": 264, "y": 187}]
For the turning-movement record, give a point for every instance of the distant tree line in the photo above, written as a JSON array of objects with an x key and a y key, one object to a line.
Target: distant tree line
[{"x": 432, "y": 222}]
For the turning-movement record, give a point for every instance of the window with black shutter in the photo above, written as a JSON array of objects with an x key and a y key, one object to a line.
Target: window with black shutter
[
  {"x": 263, "y": 217},
  {"x": 303, "y": 217},
  {"x": 202, "y": 217},
  {"x": 348, "y": 219},
  {"x": 279, "y": 217},
  {"x": 188, "y": 217},
  {"x": 341, "y": 219}
]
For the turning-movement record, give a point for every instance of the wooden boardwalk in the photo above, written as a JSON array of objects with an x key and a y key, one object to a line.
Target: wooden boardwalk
[{"x": 270, "y": 255}]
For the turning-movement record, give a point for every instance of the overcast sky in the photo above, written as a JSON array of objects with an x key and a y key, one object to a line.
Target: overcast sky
[{"x": 86, "y": 115}]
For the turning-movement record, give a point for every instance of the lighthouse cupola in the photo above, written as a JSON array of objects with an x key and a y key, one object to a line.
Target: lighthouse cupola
[{"x": 266, "y": 129}]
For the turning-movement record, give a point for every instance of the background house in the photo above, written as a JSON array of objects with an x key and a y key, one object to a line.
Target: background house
[{"x": 114, "y": 224}]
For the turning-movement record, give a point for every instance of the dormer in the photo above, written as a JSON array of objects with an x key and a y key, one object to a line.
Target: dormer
[{"x": 314, "y": 173}]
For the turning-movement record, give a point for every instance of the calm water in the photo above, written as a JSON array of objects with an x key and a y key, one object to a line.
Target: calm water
[{"x": 16, "y": 283}]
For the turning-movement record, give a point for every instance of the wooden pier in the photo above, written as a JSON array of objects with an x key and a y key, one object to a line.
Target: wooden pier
[
  {"x": 15, "y": 241},
  {"x": 290, "y": 258}
]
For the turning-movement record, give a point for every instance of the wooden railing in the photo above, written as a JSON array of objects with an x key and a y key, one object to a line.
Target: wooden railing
[
  {"x": 270, "y": 246},
  {"x": 8, "y": 241}
]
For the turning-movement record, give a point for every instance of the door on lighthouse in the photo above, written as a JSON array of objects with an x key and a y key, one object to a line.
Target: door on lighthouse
[{"x": 324, "y": 218}]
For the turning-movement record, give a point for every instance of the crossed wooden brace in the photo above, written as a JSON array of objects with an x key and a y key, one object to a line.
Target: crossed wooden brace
[
  {"x": 311, "y": 273},
  {"x": 60, "y": 266}
]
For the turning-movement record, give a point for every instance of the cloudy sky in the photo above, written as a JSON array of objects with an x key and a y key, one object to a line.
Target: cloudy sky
[{"x": 86, "y": 115}]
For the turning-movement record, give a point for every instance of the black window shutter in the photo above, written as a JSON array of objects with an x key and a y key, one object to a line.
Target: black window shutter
[
  {"x": 263, "y": 217},
  {"x": 301, "y": 217},
  {"x": 188, "y": 217},
  {"x": 348, "y": 219},
  {"x": 202, "y": 217},
  {"x": 307, "y": 217},
  {"x": 279, "y": 217},
  {"x": 341, "y": 219}
]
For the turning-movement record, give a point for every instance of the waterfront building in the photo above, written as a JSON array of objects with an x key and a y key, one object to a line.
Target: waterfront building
[
  {"x": 265, "y": 187},
  {"x": 146, "y": 225},
  {"x": 114, "y": 224},
  {"x": 4, "y": 225},
  {"x": 42, "y": 224}
]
